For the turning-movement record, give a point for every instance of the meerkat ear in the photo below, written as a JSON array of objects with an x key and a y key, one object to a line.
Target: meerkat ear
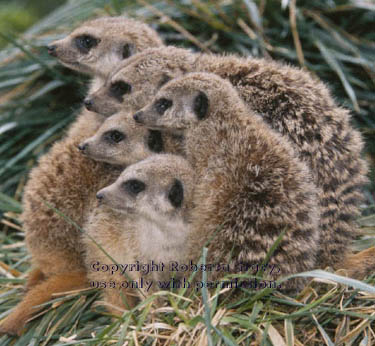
[
  {"x": 164, "y": 79},
  {"x": 128, "y": 49},
  {"x": 155, "y": 141},
  {"x": 176, "y": 194},
  {"x": 201, "y": 105}
]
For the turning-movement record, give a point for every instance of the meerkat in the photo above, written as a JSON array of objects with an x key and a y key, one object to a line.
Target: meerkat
[
  {"x": 250, "y": 183},
  {"x": 152, "y": 200},
  {"x": 121, "y": 141},
  {"x": 65, "y": 179},
  {"x": 291, "y": 102}
]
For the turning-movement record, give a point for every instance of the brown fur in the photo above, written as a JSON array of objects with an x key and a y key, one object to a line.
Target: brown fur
[
  {"x": 126, "y": 229},
  {"x": 291, "y": 102},
  {"x": 359, "y": 265},
  {"x": 113, "y": 230},
  {"x": 135, "y": 144},
  {"x": 250, "y": 184},
  {"x": 39, "y": 294},
  {"x": 64, "y": 178}
]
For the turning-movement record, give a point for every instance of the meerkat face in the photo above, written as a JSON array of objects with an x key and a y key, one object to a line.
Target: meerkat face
[
  {"x": 99, "y": 45},
  {"x": 175, "y": 109},
  {"x": 137, "y": 80},
  {"x": 158, "y": 188},
  {"x": 120, "y": 141}
]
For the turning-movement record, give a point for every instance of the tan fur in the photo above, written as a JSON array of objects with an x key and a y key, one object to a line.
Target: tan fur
[
  {"x": 144, "y": 228},
  {"x": 250, "y": 184},
  {"x": 291, "y": 102},
  {"x": 39, "y": 294},
  {"x": 64, "y": 178},
  {"x": 358, "y": 265},
  {"x": 136, "y": 142},
  {"x": 113, "y": 230}
]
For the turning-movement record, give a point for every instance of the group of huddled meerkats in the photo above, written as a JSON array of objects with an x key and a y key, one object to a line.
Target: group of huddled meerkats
[{"x": 219, "y": 150}]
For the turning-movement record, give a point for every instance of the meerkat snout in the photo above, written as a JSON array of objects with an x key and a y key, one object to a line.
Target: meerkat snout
[
  {"x": 99, "y": 196},
  {"x": 89, "y": 103},
  {"x": 52, "y": 50},
  {"x": 138, "y": 117},
  {"x": 82, "y": 147}
]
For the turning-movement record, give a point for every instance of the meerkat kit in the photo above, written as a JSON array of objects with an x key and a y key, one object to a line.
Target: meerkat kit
[{"x": 178, "y": 150}]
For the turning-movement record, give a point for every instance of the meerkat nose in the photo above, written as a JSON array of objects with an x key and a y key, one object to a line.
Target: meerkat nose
[
  {"x": 88, "y": 104},
  {"x": 137, "y": 117},
  {"x": 82, "y": 146},
  {"x": 52, "y": 50},
  {"x": 99, "y": 196}
]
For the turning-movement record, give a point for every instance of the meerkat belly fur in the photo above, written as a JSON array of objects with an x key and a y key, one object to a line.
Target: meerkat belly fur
[
  {"x": 291, "y": 102},
  {"x": 250, "y": 184},
  {"x": 151, "y": 200},
  {"x": 64, "y": 179}
]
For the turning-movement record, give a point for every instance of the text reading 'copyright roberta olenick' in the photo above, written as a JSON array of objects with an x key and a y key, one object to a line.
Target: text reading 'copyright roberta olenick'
[{"x": 175, "y": 269}]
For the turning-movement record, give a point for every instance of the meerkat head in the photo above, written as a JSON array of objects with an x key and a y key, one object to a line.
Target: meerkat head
[
  {"x": 100, "y": 44},
  {"x": 120, "y": 141},
  {"x": 157, "y": 188},
  {"x": 133, "y": 84},
  {"x": 187, "y": 101}
]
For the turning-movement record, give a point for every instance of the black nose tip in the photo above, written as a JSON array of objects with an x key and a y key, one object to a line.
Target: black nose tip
[
  {"x": 137, "y": 117},
  {"x": 99, "y": 196},
  {"x": 52, "y": 50},
  {"x": 88, "y": 104},
  {"x": 82, "y": 146}
]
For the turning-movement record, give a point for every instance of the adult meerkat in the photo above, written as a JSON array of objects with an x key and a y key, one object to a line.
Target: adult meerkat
[
  {"x": 121, "y": 141},
  {"x": 152, "y": 200},
  {"x": 250, "y": 184},
  {"x": 291, "y": 102},
  {"x": 65, "y": 179}
]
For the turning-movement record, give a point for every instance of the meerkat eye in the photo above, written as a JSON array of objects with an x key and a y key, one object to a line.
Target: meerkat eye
[
  {"x": 155, "y": 141},
  {"x": 176, "y": 194},
  {"x": 119, "y": 89},
  {"x": 201, "y": 105},
  {"x": 114, "y": 136},
  {"x": 127, "y": 50},
  {"x": 162, "y": 105},
  {"x": 134, "y": 186},
  {"x": 85, "y": 42}
]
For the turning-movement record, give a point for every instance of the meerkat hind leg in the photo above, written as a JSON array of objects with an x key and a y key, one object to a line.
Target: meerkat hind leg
[{"x": 39, "y": 294}]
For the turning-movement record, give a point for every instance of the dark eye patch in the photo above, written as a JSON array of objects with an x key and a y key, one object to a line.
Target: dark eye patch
[
  {"x": 176, "y": 194},
  {"x": 201, "y": 105},
  {"x": 134, "y": 186},
  {"x": 85, "y": 42},
  {"x": 114, "y": 136},
  {"x": 119, "y": 89},
  {"x": 164, "y": 80},
  {"x": 127, "y": 50},
  {"x": 162, "y": 105},
  {"x": 155, "y": 141}
]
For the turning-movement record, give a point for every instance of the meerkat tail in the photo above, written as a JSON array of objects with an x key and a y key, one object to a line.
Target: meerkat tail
[
  {"x": 39, "y": 294},
  {"x": 359, "y": 265}
]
